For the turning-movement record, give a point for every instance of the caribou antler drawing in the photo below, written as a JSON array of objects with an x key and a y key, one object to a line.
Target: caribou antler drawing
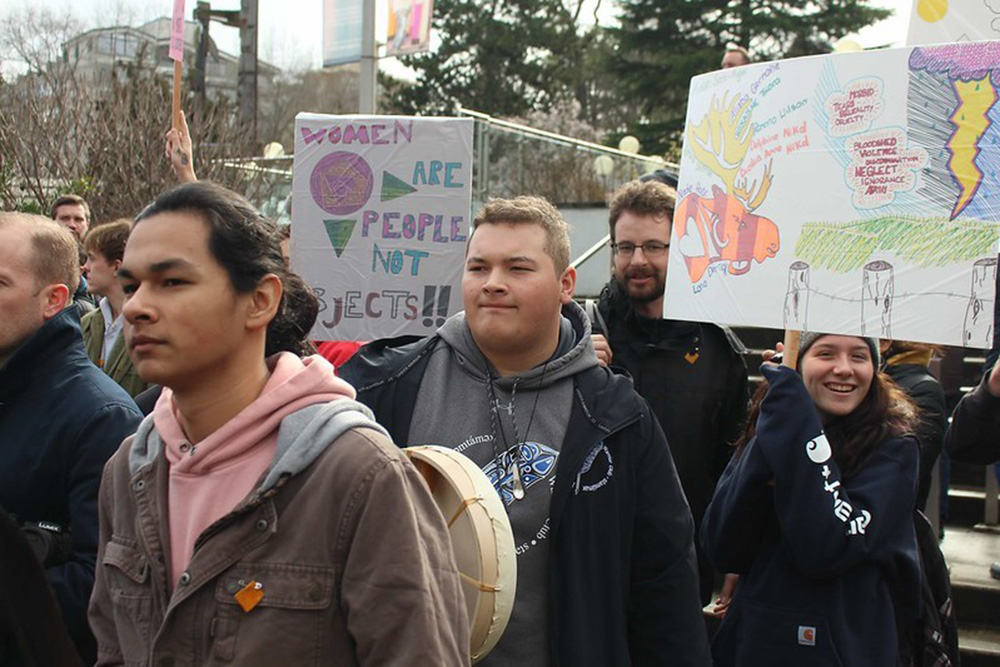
[{"x": 706, "y": 226}]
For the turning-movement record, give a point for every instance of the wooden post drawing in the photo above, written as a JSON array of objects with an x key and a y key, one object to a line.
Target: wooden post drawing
[
  {"x": 978, "y": 331},
  {"x": 797, "y": 297},
  {"x": 876, "y": 299}
]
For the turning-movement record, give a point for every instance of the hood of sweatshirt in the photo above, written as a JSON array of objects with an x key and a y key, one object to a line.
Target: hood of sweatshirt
[
  {"x": 303, "y": 400},
  {"x": 574, "y": 353}
]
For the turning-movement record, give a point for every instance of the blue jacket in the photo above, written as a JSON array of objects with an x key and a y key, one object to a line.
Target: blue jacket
[
  {"x": 826, "y": 563},
  {"x": 61, "y": 419},
  {"x": 622, "y": 576}
]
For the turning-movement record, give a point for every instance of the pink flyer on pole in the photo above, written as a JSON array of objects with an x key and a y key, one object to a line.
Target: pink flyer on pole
[{"x": 177, "y": 32}]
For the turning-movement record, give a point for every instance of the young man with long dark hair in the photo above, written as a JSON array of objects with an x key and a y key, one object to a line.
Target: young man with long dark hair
[{"x": 259, "y": 515}]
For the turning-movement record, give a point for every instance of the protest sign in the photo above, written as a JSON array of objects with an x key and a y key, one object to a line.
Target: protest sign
[
  {"x": 176, "y": 53},
  {"x": 853, "y": 193},
  {"x": 409, "y": 27},
  {"x": 380, "y": 211},
  {"x": 941, "y": 21},
  {"x": 176, "y": 50}
]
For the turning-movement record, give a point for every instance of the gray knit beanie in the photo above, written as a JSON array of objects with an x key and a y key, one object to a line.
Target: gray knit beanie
[{"x": 809, "y": 337}]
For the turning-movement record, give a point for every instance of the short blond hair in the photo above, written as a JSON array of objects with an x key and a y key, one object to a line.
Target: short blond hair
[
  {"x": 533, "y": 211},
  {"x": 54, "y": 251},
  {"x": 642, "y": 198}
]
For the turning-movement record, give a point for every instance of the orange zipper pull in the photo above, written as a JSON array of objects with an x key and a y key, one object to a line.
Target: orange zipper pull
[{"x": 250, "y": 595}]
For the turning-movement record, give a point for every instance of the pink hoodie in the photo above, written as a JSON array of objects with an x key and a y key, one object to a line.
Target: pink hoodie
[{"x": 209, "y": 479}]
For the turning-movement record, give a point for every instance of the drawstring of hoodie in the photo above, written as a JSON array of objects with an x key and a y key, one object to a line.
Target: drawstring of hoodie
[{"x": 496, "y": 426}]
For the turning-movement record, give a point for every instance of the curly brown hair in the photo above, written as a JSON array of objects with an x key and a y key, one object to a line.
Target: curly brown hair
[{"x": 643, "y": 198}]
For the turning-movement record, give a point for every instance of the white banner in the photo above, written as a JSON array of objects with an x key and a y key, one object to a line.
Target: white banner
[
  {"x": 380, "y": 218},
  {"x": 341, "y": 31},
  {"x": 853, "y": 193},
  {"x": 941, "y": 21}
]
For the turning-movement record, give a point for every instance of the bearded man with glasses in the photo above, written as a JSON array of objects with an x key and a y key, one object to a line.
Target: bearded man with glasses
[{"x": 691, "y": 373}]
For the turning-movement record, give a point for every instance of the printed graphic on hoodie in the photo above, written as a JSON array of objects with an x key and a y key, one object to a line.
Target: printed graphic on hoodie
[
  {"x": 537, "y": 462},
  {"x": 819, "y": 452}
]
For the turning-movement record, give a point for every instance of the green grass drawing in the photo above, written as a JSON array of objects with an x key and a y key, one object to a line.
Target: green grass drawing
[{"x": 921, "y": 241}]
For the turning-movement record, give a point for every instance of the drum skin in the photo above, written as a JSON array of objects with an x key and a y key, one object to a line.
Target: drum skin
[{"x": 481, "y": 537}]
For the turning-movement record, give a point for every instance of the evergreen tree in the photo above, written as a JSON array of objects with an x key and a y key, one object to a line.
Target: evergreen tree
[
  {"x": 661, "y": 44},
  {"x": 502, "y": 57}
]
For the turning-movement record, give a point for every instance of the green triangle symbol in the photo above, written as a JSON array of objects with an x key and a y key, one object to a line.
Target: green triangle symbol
[
  {"x": 394, "y": 187},
  {"x": 339, "y": 232}
]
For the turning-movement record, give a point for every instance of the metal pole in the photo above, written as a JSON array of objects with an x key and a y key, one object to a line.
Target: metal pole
[
  {"x": 369, "y": 64},
  {"x": 248, "y": 66},
  {"x": 202, "y": 14}
]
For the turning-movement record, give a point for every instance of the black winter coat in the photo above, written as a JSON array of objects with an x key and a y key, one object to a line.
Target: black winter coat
[
  {"x": 61, "y": 419},
  {"x": 974, "y": 433},
  {"x": 694, "y": 380},
  {"x": 926, "y": 392},
  {"x": 622, "y": 578}
]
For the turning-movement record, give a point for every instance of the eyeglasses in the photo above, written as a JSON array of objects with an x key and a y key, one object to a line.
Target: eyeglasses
[{"x": 649, "y": 248}]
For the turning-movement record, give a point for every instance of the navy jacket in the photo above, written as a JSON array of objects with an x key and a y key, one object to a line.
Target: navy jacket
[
  {"x": 826, "y": 563},
  {"x": 623, "y": 580},
  {"x": 974, "y": 433},
  {"x": 61, "y": 419}
]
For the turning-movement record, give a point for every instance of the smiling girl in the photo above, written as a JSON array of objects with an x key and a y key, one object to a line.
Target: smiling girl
[{"x": 815, "y": 512}]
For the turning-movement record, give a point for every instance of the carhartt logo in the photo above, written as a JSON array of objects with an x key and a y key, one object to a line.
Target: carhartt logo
[
  {"x": 691, "y": 357},
  {"x": 807, "y": 635}
]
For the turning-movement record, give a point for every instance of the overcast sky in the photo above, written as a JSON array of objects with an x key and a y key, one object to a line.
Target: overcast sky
[{"x": 290, "y": 30}]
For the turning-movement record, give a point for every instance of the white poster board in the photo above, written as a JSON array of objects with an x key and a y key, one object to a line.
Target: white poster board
[
  {"x": 940, "y": 21},
  {"x": 380, "y": 218},
  {"x": 854, "y": 193}
]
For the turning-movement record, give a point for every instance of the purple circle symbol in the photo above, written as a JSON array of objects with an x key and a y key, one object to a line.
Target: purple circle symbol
[{"x": 341, "y": 183}]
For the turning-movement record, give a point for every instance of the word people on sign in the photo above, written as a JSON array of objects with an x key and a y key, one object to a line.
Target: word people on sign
[{"x": 410, "y": 226}]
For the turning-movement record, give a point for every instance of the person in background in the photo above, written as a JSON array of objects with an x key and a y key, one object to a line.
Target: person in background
[
  {"x": 73, "y": 213},
  {"x": 907, "y": 364},
  {"x": 691, "y": 373},
  {"x": 61, "y": 418},
  {"x": 735, "y": 56},
  {"x": 974, "y": 433},
  {"x": 103, "y": 329},
  {"x": 815, "y": 512},
  {"x": 259, "y": 516}
]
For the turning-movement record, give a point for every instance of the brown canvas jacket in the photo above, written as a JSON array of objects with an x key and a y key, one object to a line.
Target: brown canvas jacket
[
  {"x": 119, "y": 365},
  {"x": 354, "y": 559}
]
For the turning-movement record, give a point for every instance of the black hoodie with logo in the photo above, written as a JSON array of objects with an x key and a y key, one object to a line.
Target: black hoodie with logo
[{"x": 826, "y": 563}]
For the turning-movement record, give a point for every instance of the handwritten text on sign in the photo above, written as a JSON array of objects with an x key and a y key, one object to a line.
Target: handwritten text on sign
[{"x": 381, "y": 211}]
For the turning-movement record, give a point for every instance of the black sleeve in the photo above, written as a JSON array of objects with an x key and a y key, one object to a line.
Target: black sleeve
[
  {"x": 73, "y": 581},
  {"x": 974, "y": 434},
  {"x": 734, "y": 410},
  {"x": 929, "y": 397},
  {"x": 665, "y": 617},
  {"x": 739, "y": 513}
]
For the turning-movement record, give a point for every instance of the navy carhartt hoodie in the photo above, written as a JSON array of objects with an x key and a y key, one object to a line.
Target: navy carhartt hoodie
[{"x": 825, "y": 562}]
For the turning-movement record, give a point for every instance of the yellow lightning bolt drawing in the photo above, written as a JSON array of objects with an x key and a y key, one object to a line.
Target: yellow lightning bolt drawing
[{"x": 971, "y": 122}]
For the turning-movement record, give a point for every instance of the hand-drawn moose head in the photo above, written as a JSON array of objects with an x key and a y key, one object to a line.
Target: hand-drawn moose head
[{"x": 724, "y": 228}]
